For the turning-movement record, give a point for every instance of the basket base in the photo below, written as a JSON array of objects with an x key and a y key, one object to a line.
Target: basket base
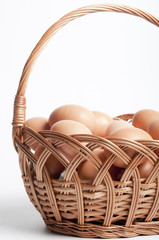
[{"x": 93, "y": 230}]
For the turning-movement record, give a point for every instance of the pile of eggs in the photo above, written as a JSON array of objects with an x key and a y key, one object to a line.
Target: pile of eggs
[{"x": 75, "y": 119}]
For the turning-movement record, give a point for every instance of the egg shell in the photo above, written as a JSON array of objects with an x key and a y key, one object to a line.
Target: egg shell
[
  {"x": 143, "y": 118},
  {"x": 86, "y": 170},
  {"x": 69, "y": 127},
  {"x": 153, "y": 130},
  {"x": 73, "y": 112},
  {"x": 130, "y": 134},
  {"x": 100, "y": 153},
  {"x": 115, "y": 125},
  {"x": 53, "y": 165},
  {"x": 145, "y": 169},
  {"x": 102, "y": 122},
  {"x": 37, "y": 124}
]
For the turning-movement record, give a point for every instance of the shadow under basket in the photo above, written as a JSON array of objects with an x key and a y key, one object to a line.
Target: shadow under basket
[{"x": 100, "y": 207}]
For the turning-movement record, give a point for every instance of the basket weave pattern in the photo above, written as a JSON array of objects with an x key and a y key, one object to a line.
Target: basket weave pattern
[
  {"x": 73, "y": 206},
  {"x": 101, "y": 207}
]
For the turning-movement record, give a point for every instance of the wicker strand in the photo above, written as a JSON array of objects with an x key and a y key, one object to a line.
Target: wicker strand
[
  {"x": 95, "y": 231},
  {"x": 51, "y": 195},
  {"x": 155, "y": 206},
  {"x": 33, "y": 193},
  {"x": 135, "y": 198},
  {"x": 19, "y": 111}
]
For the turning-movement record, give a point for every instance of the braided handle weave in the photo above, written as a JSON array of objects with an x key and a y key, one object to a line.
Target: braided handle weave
[{"x": 19, "y": 104}]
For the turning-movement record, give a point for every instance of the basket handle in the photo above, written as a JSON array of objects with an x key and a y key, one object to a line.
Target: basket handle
[{"x": 20, "y": 102}]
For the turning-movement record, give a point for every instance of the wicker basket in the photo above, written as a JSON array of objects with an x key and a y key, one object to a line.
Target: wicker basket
[{"x": 102, "y": 207}]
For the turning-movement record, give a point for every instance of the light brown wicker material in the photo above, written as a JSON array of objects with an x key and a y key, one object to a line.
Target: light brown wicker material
[{"x": 102, "y": 207}]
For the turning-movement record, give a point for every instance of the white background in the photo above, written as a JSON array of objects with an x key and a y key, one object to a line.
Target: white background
[{"x": 105, "y": 61}]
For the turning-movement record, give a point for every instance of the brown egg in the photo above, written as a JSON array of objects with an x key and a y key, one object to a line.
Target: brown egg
[
  {"x": 53, "y": 165},
  {"x": 153, "y": 130},
  {"x": 86, "y": 170},
  {"x": 145, "y": 169},
  {"x": 73, "y": 112},
  {"x": 143, "y": 118},
  {"x": 100, "y": 153},
  {"x": 69, "y": 127},
  {"x": 117, "y": 124},
  {"x": 130, "y": 134},
  {"x": 116, "y": 172},
  {"x": 102, "y": 123},
  {"x": 37, "y": 124}
]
